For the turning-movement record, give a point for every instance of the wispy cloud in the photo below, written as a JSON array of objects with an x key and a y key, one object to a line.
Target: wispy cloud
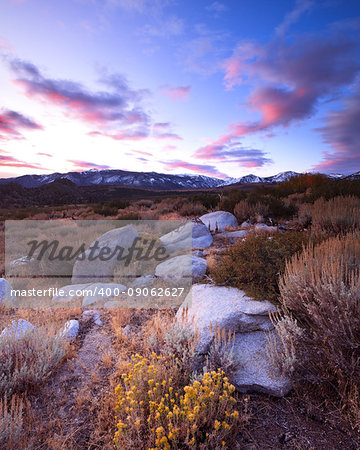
[
  {"x": 177, "y": 92},
  {"x": 11, "y": 161},
  {"x": 80, "y": 165},
  {"x": 301, "y": 7},
  {"x": 216, "y": 8},
  {"x": 203, "y": 169},
  {"x": 116, "y": 109},
  {"x": 12, "y": 123},
  {"x": 233, "y": 153}
]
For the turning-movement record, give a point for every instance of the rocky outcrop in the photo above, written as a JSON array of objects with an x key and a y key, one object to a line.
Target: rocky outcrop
[
  {"x": 230, "y": 309},
  {"x": 219, "y": 220}
]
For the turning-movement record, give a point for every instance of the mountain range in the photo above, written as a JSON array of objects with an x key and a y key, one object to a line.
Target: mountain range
[{"x": 150, "y": 180}]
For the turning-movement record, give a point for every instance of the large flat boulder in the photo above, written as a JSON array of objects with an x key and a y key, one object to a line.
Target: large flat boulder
[
  {"x": 91, "y": 271},
  {"x": 227, "y": 307},
  {"x": 182, "y": 268},
  {"x": 219, "y": 220},
  {"x": 193, "y": 234},
  {"x": 230, "y": 309}
]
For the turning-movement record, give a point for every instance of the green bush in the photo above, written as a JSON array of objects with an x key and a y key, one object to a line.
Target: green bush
[{"x": 255, "y": 264}]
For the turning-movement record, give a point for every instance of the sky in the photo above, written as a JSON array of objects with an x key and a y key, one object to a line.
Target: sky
[{"x": 218, "y": 88}]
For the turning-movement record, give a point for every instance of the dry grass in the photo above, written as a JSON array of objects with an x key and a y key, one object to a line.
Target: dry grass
[{"x": 337, "y": 215}]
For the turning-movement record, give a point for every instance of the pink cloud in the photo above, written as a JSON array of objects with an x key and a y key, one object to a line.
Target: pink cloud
[
  {"x": 45, "y": 154},
  {"x": 10, "y": 161},
  {"x": 177, "y": 93},
  {"x": 288, "y": 81},
  {"x": 80, "y": 165},
  {"x": 204, "y": 169},
  {"x": 13, "y": 122}
]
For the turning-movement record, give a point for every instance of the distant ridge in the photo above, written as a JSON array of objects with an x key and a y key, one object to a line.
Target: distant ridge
[{"x": 151, "y": 180}]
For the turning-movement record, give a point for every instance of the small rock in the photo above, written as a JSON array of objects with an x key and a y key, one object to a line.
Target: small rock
[
  {"x": 93, "y": 315},
  {"x": 233, "y": 234},
  {"x": 18, "y": 329},
  {"x": 5, "y": 293},
  {"x": 70, "y": 329},
  {"x": 264, "y": 227},
  {"x": 126, "y": 331},
  {"x": 145, "y": 280},
  {"x": 245, "y": 224}
]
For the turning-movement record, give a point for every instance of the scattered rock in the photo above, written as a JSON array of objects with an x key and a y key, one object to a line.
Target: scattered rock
[
  {"x": 86, "y": 271},
  {"x": 93, "y": 315},
  {"x": 22, "y": 261},
  {"x": 264, "y": 227},
  {"x": 126, "y": 331},
  {"x": 18, "y": 329},
  {"x": 233, "y": 234},
  {"x": 220, "y": 220},
  {"x": 70, "y": 330},
  {"x": 245, "y": 224},
  {"x": 181, "y": 268},
  {"x": 255, "y": 370},
  {"x": 145, "y": 280},
  {"x": 5, "y": 293},
  {"x": 193, "y": 234}
]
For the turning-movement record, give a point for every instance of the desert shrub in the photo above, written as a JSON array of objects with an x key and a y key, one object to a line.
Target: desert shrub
[
  {"x": 245, "y": 210},
  {"x": 11, "y": 421},
  {"x": 254, "y": 265},
  {"x": 337, "y": 215},
  {"x": 118, "y": 203},
  {"x": 207, "y": 199},
  {"x": 27, "y": 360},
  {"x": 229, "y": 200},
  {"x": 304, "y": 216},
  {"x": 320, "y": 297},
  {"x": 129, "y": 216},
  {"x": 155, "y": 410},
  {"x": 105, "y": 210},
  {"x": 192, "y": 209}
]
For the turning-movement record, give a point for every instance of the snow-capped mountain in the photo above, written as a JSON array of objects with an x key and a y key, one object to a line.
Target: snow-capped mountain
[{"x": 150, "y": 180}]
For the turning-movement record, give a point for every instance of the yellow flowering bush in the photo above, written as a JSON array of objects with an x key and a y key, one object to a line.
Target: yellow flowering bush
[{"x": 155, "y": 412}]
